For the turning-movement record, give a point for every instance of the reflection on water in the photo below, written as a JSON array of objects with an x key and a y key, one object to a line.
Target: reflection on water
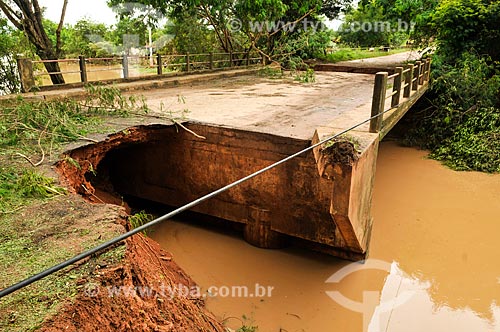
[
  {"x": 406, "y": 305},
  {"x": 435, "y": 228}
]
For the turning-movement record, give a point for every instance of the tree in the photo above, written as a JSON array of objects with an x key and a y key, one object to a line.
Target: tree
[
  {"x": 129, "y": 32},
  {"x": 27, "y": 16},
  {"x": 80, "y": 39},
  {"x": 461, "y": 125},
  {"x": 9, "y": 80},
  {"x": 189, "y": 36},
  {"x": 240, "y": 25},
  {"x": 357, "y": 29},
  {"x": 462, "y": 25}
]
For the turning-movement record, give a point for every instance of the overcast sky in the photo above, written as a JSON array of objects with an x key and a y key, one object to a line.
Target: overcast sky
[{"x": 97, "y": 10}]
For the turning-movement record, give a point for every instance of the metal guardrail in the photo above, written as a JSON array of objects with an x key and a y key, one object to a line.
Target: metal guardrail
[{"x": 173, "y": 62}]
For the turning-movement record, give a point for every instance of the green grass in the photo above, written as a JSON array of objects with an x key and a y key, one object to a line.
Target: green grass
[
  {"x": 40, "y": 225},
  {"x": 354, "y": 54},
  {"x": 39, "y": 126},
  {"x": 21, "y": 186},
  {"x": 24, "y": 255},
  {"x": 147, "y": 70},
  {"x": 139, "y": 219}
]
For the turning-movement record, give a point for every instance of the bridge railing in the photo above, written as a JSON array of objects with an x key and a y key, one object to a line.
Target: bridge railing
[
  {"x": 406, "y": 82},
  {"x": 84, "y": 70}
]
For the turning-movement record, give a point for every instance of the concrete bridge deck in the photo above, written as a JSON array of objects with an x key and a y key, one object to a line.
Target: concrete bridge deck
[
  {"x": 322, "y": 199},
  {"x": 282, "y": 107}
]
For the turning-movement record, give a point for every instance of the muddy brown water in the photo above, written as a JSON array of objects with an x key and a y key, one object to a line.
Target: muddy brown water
[
  {"x": 95, "y": 72},
  {"x": 433, "y": 262}
]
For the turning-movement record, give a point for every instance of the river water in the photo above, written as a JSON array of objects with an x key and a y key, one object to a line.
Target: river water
[{"x": 432, "y": 265}]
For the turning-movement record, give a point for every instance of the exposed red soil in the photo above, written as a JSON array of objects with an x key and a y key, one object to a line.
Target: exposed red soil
[
  {"x": 84, "y": 160},
  {"x": 145, "y": 264}
]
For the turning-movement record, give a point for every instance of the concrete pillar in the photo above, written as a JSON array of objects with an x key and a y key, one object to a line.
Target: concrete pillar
[
  {"x": 378, "y": 102},
  {"x": 125, "y": 66},
  {"x": 397, "y": 87},
  {"x": 25, "y": 68},
  {"x": 258, "y": 230}
]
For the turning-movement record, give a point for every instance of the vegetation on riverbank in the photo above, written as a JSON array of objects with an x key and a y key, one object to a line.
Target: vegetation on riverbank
[
  {"x": 461, "y": 123},
  {"x": 40, "y": 225}
]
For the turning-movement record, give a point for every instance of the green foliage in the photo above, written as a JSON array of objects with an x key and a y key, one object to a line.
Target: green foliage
[
  {"x": 387, "y": 22},
  {"x": 316, "y": 44},
  {"x": 18, "y": 186},
  {"x": 270, "y": 72},
  {"x": 33, "y": 185},
  {"x": 307, "y": 76},
  {"x": 351, "y": 32},
  {"x": 230, "y": 25},
  {"x": 467, "y": 150},
  {"x": 247, "y": 325},
  {"x": 461, "y": 25},
  {"x": 192, "y": 37},
  {"x": 346, "y": 54},
  {"x": 129, "y": 32},
  {"x": 81, "y": 39},
  {"x": 245, "y": 328},
  {"x": 108, "y": 100},
  {"x": 23, "y": 123},
  {"x": 462, "y": 127},
  {"x": 9, "y": 80},
  {"x": 139, "y": 219}
]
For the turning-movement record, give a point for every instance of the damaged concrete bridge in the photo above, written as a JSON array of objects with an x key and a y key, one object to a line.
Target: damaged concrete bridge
[{"x": 319, "y": 200}]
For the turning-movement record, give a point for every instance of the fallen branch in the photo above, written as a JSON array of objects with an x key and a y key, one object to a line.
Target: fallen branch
[
  {"x": 80, "y": 137},
  {"x": 174, "y": 121},
  {"x": 292, "y": 23},
  {"x": 92, "y": 194},
  {"x": 41, "y": 148},
  {"x": 188, "y": 130}
]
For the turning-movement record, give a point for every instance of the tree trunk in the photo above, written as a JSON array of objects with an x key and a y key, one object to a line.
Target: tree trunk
[
  {"x": 53, "y": 67},
  {"x": 27, "y": 16}
]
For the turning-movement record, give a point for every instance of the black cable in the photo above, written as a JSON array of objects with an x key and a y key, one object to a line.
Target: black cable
[{"x": 90, "y": 252}]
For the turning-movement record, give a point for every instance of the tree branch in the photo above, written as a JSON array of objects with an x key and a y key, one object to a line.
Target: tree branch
[
  {"x": 10, "y": 15},
  {"x": 294, "y": 22},
  {"x": 59, "y": 28},
  {"x": 39, "y": 20},
  {"x": 216, "y": 29}
]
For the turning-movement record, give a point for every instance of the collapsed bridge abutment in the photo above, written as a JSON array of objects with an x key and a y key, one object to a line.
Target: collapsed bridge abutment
[{"x": 327, "y": 211}]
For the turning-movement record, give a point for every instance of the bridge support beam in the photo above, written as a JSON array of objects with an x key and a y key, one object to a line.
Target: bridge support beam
[
  {"x": 352, "y": 172},
  {"x": 258, "y": 230}
]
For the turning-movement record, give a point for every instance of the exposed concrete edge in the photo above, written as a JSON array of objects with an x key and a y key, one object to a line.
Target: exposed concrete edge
[
  {"x": 352, "y": 187},
  {"x": 353, "y": 69},
  {"x": 390, "y": 121},
  {"x": 153, "y": 83}
]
